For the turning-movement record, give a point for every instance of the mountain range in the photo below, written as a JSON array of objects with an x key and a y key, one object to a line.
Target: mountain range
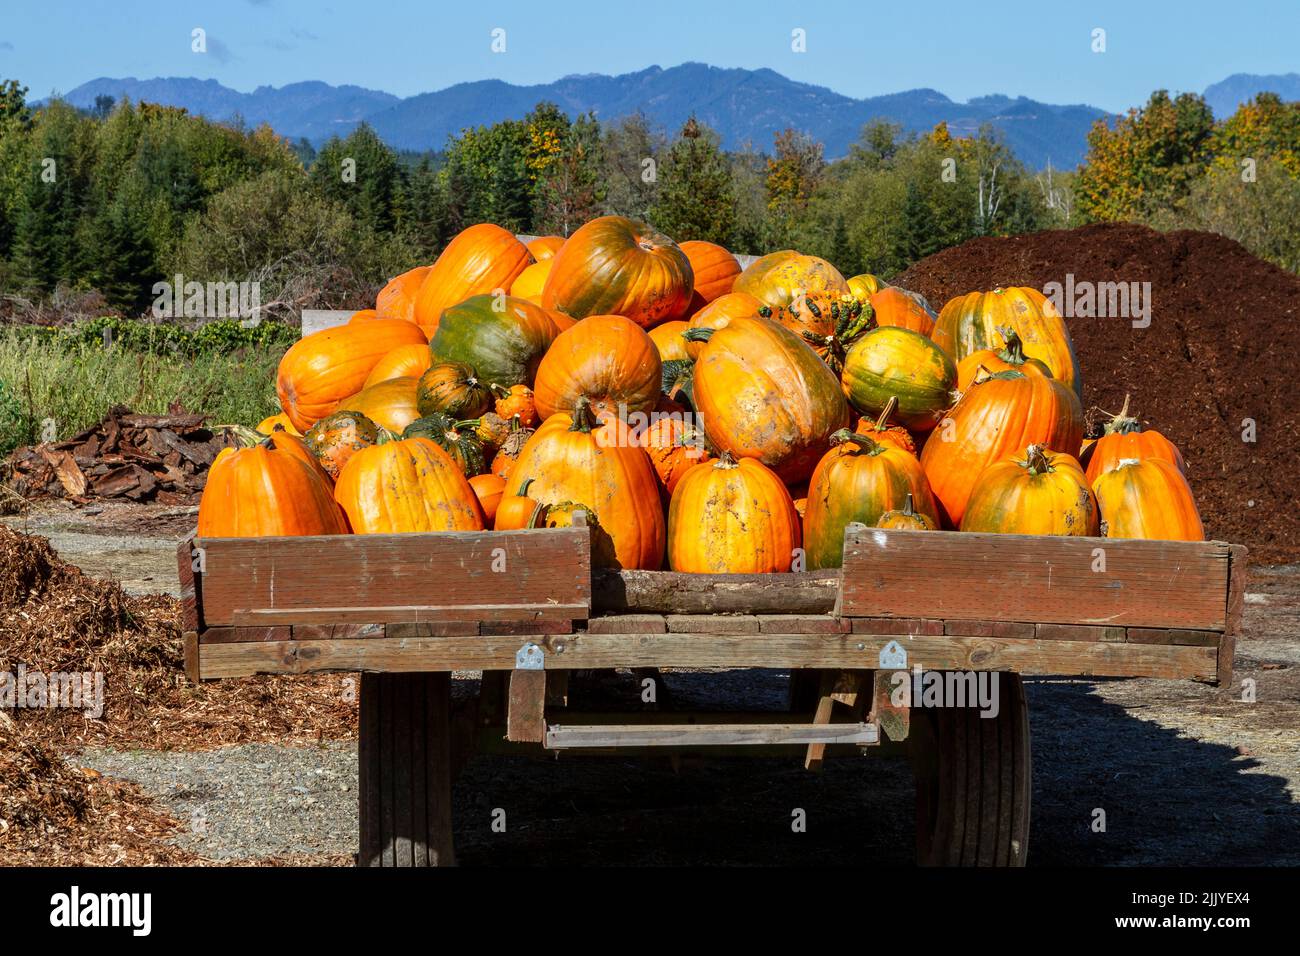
[{"x": 745, "y": 107}]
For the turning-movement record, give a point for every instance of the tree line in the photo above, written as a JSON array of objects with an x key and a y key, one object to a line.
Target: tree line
[{"x": 115, "y": 198}]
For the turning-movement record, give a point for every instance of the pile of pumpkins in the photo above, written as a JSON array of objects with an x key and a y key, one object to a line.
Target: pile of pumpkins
[{"x": 703, "y": 417}]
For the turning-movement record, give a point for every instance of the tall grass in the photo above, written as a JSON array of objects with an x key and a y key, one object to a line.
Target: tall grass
[{"x": 74, "y": 384}]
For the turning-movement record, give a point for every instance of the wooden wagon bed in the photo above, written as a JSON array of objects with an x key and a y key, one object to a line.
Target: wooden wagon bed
[
  {"x": 1031, "y": 605},
  {"x": 525, "y": 608}
]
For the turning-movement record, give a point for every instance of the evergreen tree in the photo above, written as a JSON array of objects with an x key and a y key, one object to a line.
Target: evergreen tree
[{"x": 696, "y": 195}]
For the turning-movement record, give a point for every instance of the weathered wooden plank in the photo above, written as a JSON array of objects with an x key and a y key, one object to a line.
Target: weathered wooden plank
[
  {"x": 850, "y": 651},
  {"x": 711, "y": 624},
  {"x": 191, "y": 602},
  {"x": 1164, "y": 635},
  {"x": 671, "y": 592},
  {"x": 803, "y": 624},
  {"x": 1047, "y": 579},
  {"x": 698, "y": 735},
  {"x": 190, "y": 649},
  {"x": 911, "y": 626},
  {"x": 230, "y": 635},
  {"x": 526, "y": 717},
  {"x": 561, "y": 614},
  {"x": 533, "y": 569},
  {"x": 627, "y": 624},
  {"x": 837, "y": 687},
  {"x": 990, "y": 628},
  {"x": 1079, "y": 632},
  {"x": 895, "y": 721},
  {"x": 1236, "y": 601}
]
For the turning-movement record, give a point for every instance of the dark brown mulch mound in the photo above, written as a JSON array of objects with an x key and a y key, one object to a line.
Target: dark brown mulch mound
[
  {"x": 1223, "y": 345},
  {"x": 54, "y": 619}
]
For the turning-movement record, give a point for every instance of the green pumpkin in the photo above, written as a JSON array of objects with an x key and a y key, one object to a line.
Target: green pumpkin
[
  {"x": 859, "y": 480},
  {"x": 891, "y": 361},
  {"x": 501, "y": 337},
  {"x": 458, "y": 439}
]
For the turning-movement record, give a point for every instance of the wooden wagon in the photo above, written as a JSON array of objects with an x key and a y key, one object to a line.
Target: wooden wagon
[{"x": 526, "y": 610}]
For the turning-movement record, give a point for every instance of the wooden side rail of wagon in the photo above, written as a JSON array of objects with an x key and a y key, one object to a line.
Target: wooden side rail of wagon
[{"x": 525, "y": 609}]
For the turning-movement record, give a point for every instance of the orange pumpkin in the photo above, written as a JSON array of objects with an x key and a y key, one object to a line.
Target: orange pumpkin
[
  {"x": 489, "y": 489},
  {"x": 778, "y": 278},
  {"x": 907, "y": 518},
  {"x": 479, "y": 260},
  {"x": 715, "y": 270},
  {"x": 409, "y": 484},
  {"x": 296, "y": 445},
  {"x": 397, "y": 299},
  {"x": 322, "y": 369},
  {"x": 544, "y": 248},
  {"x": 507, "y": 454},
  {"x": 997, "y": 416},
  {"x": 880, "y": 430},
  {"x": 717, "y": 314},
  {"x": 574, "y": 458},
  {"x": 267, "y": 425},
  {"x": 675, "y": 446},
  {"x": 893, "y": 306},
  {"x": 405, "y": 361},
  {"x": 1147, "y": 498},
  {"x": 337, "y": 437},
  {"x": 858, "y": 480},
  {"x": 616, "y": 266},
  {"x": 606, "y": 359},
  {"x": 517, "y": 400},
  {"x": 829, "y": 325},
  {"x": 531, "y": 281},
  {"x": 1124, "y": 438},
  {"x": 732, "y": 517},
  {"x": 668, "y": 340},
  {"x": 969, "y": 323},
  {"x": 1035, "y": 492},
  {"x": 1011, "y": 357},
  {"x": 364, "y": 315},
  {"x": 391, "y": 404},
  {"x": 763, "y": 393},
  {"x": 518, "y": 511},
  {"x": 264, "y": 491}
]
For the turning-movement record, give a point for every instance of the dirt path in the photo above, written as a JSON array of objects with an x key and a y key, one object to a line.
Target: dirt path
[{"x": 1185, "y": 773}]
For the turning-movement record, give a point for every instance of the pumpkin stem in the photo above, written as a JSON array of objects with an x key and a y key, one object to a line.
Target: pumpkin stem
[
  {"x": 246, "y": 437},
  {"x": 726, "y": 460},
  {"x": 1036, "y": 460},
  {"x": 583, "y": 418},
  {"x": 864, "y": 442},
  {"x": 1122, "y": 423},
  {"x": 385, "y": 436},
  {"x": 523, "y": 488},
  {"x": 907, "y": 506},
  {"x": 701, "y": 334},
  {"x": 982, "y": 375},
  {"x": 882, "y": 420},
  {"x": 500, "y": 391},
  {"x": 1013, "y": 349}
]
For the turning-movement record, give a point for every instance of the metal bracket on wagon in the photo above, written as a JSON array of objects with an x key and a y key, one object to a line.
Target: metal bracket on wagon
[
  {"x": 893, "y": 657},
  {"x": 530, "y": 657}
]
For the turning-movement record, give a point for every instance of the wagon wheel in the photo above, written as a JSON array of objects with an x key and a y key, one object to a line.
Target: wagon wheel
[
  {"x": 405, "y": 754},
  {"x": 973, "y": 782}
]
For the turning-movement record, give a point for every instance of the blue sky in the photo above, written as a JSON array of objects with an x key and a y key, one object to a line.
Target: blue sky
[{"x": 1039, "y": 48}]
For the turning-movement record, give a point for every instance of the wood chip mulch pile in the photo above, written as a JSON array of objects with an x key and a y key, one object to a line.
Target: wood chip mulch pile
[
  {"x": 161, "y": 458},
  {"x": 53, "y": 619}
]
